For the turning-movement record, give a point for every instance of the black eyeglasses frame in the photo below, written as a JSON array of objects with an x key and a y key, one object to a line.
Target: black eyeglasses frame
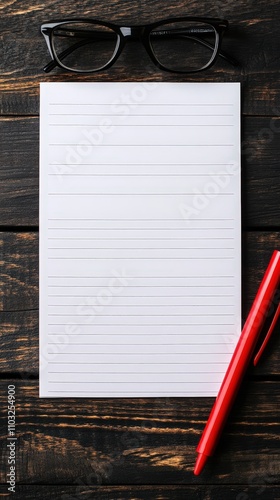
[{"x": 142, "y": 32}]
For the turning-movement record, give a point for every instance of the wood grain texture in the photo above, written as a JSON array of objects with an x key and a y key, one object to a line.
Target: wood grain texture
[
  {"x": 253, "y": 39},
  {"x": 19, "y": 299},
  {"x": 251, "y": 490},
  {"x": 19, "y": 171},
  {"x": 141, "y": 441},
  {"x": 19, "y": 274},
  {"x": 134, "y": 449}
]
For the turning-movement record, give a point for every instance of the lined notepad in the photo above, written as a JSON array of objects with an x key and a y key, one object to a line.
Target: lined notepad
[{"x": 139, "y": 238}]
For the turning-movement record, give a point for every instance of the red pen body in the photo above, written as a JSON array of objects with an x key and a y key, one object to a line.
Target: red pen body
[{"x": 239, "y": 362}]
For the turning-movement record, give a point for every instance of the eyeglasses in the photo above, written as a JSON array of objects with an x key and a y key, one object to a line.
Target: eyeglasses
[{"x": 181, "y": 45}]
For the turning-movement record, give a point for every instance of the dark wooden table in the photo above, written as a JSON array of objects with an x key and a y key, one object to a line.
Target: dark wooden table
[{"x": 137, "y": 448}]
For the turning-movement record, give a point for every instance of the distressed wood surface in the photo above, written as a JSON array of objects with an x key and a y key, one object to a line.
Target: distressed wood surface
[
  {"x": 19, "y": 173},
  {"x": 250, "y": 490},
  {"x": 137, "y": 449},
  {"x": 19, "y": 299},
  {"x": 253, "y": 39},
  {"x": 142, "y": 441}
]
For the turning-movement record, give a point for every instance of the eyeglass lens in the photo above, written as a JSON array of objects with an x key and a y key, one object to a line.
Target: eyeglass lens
[
  {"x": 184, "y": 46},
  {"x": 84, "y": 46}
]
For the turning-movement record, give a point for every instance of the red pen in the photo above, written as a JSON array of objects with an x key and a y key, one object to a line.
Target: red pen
[{"x": 240, "y": 360}]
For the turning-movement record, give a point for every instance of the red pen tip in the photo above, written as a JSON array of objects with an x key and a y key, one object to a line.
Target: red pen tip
[{"x": 200, "y": 462}]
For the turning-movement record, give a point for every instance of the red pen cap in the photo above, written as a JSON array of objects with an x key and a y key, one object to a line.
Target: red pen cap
[{"x": 268, "y": 335}]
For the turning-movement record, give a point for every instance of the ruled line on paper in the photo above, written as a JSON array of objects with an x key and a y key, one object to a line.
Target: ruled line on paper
[
  {"x": 150, "y": 239},
  {"x": 134, "y": 363},
  {"x": 140, "y": 104},
  {"x": 128, "y": 194},
  {"x": 144, "y": 145},
  {"x": 134, "y": 175},
  {"x": 138, "y": 228},
  {"x": 181, "y": 125},
  {"x": 86, "y": 219},
  {"x": 145, "y": 115},
  {"x": 140, "y": 164}
]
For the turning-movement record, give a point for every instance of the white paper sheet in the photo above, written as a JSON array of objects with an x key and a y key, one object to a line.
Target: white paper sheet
[{"x": 139, "y": 238}]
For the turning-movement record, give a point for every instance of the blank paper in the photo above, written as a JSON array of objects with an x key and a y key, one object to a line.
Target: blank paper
[{"x": 139, "y": 238}]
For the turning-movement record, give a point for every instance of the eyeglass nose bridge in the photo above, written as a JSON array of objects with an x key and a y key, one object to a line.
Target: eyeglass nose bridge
[
  {"x": 135, "y": 33},
  {"x": 132, "y": 31}
]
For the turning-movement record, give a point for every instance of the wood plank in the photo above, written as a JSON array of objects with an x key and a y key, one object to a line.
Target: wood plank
[
  {"x": 141, "y": 441},
  {"x": 20, "y": 271},
  {"x": 19, "y": 299},
  {"x": 19, "y": 172},
  {"x": 81, "y": 491},
  {"x": 253, "y": 40}
]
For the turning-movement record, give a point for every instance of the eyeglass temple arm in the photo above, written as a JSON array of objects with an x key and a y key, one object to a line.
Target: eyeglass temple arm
[
  {"x": 221, "y": 53},
  {"x": 170, "y": 33}
]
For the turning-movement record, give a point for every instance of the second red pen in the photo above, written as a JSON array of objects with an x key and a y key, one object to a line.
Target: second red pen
[{"x": 241, "y": 357}]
